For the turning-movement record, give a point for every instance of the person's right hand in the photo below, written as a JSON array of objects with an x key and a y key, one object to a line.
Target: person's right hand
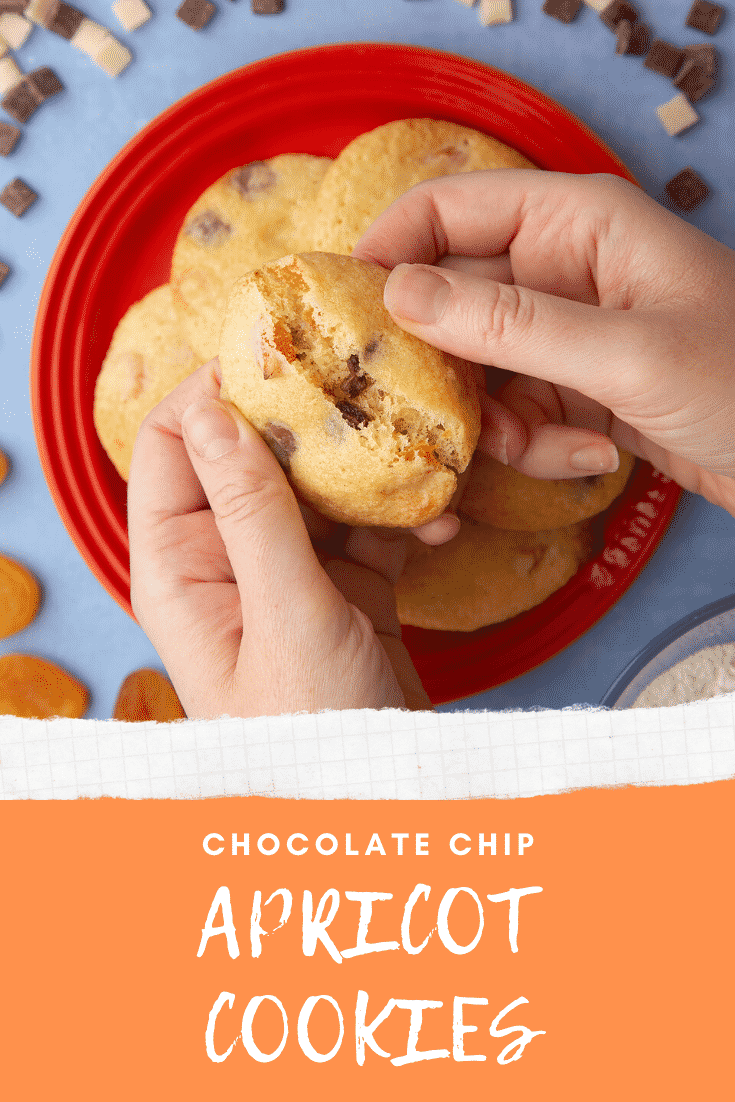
[{"x": 616, "y": 317}]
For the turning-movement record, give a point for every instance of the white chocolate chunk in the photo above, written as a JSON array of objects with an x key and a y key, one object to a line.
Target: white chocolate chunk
[
  {"x": 132, "y": 13},
  {"x": 677, "y": 115},
  {"x": 597, "y": 5},
  {"x": 90, "y": 37},
  {"x": 113, "y": 57},
  {"x": 40, "y": 11},
  {"x": 10, "y": 74},
  {"x": 14, "y": 29},
  {"x": 495, "y": 11},
  {"x": 468, "y": 3}
]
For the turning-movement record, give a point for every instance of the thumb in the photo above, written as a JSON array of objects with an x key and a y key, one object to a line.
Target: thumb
[
  {"x": 256, "y": 514},
  {"x": 572, "y": 344}
]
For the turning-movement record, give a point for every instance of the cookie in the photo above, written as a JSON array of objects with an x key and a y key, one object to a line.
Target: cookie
[
  {"x": 251, "y": 215},
  {"x": 371, "y": 424},
  {"x": 485, "y": 575},
  {"x": 379, "y": 166},
  {"x": 505, "y": 498},
  {"x": 147, "y": 358},
  {"x": 20, "y": 596},
  {"x": 147, "y": 695},
  {"x": 33, "y": 688}
]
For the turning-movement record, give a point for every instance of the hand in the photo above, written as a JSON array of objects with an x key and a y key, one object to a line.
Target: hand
[
  {"x": 246, "y": 616},
  {"x": 614, "y": 317}
]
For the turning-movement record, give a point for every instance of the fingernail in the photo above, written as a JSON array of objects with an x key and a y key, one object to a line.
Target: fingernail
[
  {"x": 600, "y": 458},
  {"x": 210, "y": 429},
  {"x": 416, "y": 293},
  {"x": 494, "y": 444}
]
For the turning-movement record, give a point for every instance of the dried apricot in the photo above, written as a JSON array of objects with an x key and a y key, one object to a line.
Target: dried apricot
[
  {"x": 36, "y": 689},
  {"x": 147, "y": 695},
  {"x": 20, "y": 596}
]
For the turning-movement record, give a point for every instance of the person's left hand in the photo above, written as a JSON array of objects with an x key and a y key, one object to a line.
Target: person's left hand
[{"x": 247, "y": 616}]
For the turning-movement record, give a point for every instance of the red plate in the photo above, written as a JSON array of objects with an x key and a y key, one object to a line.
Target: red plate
[{"x": 118, "y": 247}]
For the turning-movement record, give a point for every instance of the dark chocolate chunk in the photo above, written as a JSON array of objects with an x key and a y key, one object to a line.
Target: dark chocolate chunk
[
  {"x": 704, "y": 16},
  {"x": 706, "y": 56},
  {"x": 353, "y": 363},
  {"x": 633, "y": 38},
  {"x": 563, "y": 10},
  {"x": 687, "y": 190},
  {"x": 664, "y": 58},
  {"x": 8, "y": 138},
  {"x": 65, "y": 20},
  {"x": 266, "y": 7},
  {"x": 21, "y": 101},
  {"x": 617, "y": 10},
  {"x": 693, "y": 81},
  {"x": 355, "y": 418},
  {"x": 4, "y": 272},
  {"x": 281, "y": 441},
  {"x": 252, "y": 179},
  {"x": 17, "y": 197},
  {"x": 45, "y": 83},
  {"x": 208, "y": 229},
  {"x": 196, "y": 13}
]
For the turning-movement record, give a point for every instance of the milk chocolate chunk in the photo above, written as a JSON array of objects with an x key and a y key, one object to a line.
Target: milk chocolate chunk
[
  {"x": 633, "y": 38},
  {"x": 8, "y": 138},
  {"x": 563, "y": 10},
  {"x": 706, "y": 56},
  {"x": 687, "y": 190},
  {"x": 208, "y": 229},
  {"x": 704, "y": 16},
  {"x": 17, "y": 197},
  {"x": 4, "y": 273},
  {"x": 664, "y": 58},
  {"x": 45, "y": 83},
  {"x": 21, "y": 101},
  {"x": 693, "y": 81},
  {"x": 266, "y": 7},
  {"x": 617, "y": 10},
  {"x": 252, "y": 179},
  {"x": 18, "y": 7},
  {"x": 196, "y": 13},
  {"x": 281, "y": 441},
  {"x": 65, "y": 21}
]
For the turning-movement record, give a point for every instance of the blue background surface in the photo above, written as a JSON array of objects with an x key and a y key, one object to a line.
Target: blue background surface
[{"x": 71, "y": 139}]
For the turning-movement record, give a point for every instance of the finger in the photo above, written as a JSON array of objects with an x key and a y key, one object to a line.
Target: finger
[
  {"x": 484, "y": 267},
  {"x": 568, "y": 343},
  {"x": 382, "y": 550},
  {"x": 162, "y": 483},
  {"x": 256, "y": 513}
]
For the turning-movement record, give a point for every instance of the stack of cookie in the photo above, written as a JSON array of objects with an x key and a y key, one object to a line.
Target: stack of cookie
[{"x": 521, "y": 538}]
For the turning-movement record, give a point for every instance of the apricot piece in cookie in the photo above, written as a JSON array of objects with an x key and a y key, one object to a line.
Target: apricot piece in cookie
[{"x": 372, "y": 425}]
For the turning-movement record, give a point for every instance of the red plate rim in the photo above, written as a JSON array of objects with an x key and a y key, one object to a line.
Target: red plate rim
[{"x": 440, "y": 84}]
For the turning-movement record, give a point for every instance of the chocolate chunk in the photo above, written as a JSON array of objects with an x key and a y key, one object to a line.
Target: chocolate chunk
[
  {"x": 8, "y": 138},
  {"x": 633, "y": 38},
  {"x": 687, "y": 190},
  {"x": 266, "y": 7},
  {"x": 664, "y": 58},
  {"x": 371, "y": 348},
  {"x": 21, "y": 101},
  {"x": 17, "y": 197},
  {"x": 65, "y": 21},
  {"x": 355, "y": 418},
  {"x": 16, "y": 6},
  {"x": 4, "y": 272},
  {"x": 358, "y": 380},
  {"x": 706, "y": 56},
  {"x": 617, "y": 10},
  {"x": 705, "y": 17},
  {"x": 45, "y": 83},
  {"x": 693, "y": 81},
  {"x": 252, "y": 179},
  {"x": 281, "y": 441},
  {"x": 208, "y": 229},
  {"x": 196, "y": 13},
  {"x": 563, "y": 10}
]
